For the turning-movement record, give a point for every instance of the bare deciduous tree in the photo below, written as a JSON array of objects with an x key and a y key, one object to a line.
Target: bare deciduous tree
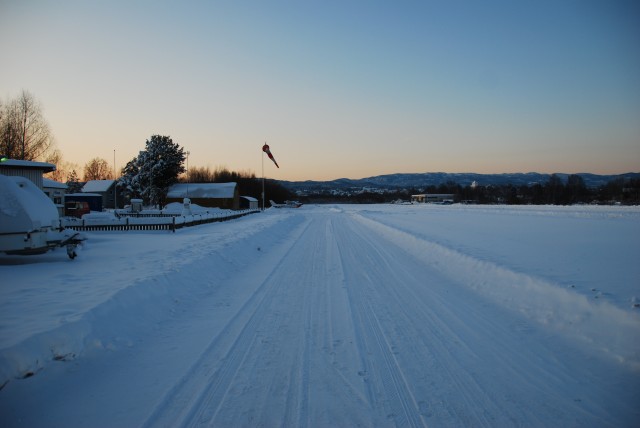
[
  {"x": 24, "y": 133},
  {"x": 63, "y": 168},
  {"x": 199, "y": 175},
  {"x": 55, "y": 157},
  {"x": 97, "y": 169}
]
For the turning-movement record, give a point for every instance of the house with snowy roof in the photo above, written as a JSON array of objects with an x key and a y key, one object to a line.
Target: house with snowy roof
[
  {"x": 55, "y": 191},
  {"x": 220, "y": 195},
  {"x": 106, "y": 189}
]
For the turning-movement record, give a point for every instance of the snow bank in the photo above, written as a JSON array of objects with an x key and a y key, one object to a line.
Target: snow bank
[
  {"x": 608, "y": 328},
  {"x": 122, "y": 285}
]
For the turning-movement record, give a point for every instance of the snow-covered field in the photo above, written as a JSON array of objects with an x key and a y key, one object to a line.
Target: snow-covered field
[{"x": 342, "y": 315}]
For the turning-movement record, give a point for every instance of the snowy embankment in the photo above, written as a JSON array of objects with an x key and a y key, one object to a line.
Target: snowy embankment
[
  {"x": 343, "y": 315},
  {"x": 607, "y": 322},
  {"x": 52, "y": 308}
]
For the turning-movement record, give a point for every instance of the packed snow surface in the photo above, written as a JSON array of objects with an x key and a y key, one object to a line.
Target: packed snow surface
[{"x": 343, "y": 315}]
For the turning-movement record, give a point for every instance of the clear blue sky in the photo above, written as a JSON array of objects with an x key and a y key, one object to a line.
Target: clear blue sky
[{"x": 337, "y": 88}]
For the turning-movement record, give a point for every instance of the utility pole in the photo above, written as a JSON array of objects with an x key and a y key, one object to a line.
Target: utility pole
[
  {"x": 187, "y": 153},
  {"x": 115, "y": 182}
]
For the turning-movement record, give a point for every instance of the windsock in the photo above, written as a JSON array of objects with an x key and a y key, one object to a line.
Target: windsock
[{"x": 265, "y": 149}]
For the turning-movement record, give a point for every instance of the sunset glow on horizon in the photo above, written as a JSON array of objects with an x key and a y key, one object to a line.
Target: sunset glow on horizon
[{"x": 337, "y": 89}]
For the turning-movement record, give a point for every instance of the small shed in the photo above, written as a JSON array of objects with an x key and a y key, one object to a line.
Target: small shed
[
  {"x": 248, "y": 203},
  {"x": 105, "y": 188},
  {"x": 220, "y": 195}
]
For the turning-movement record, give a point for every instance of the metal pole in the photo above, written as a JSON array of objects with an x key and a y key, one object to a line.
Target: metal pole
[
  {"x": 263, "y": 178},
  {"x": 188, "y": 153},
  {"x": 115, "y": 184}
]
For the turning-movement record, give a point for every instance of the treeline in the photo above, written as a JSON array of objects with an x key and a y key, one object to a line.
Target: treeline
[{"x": 556, "y": 191}]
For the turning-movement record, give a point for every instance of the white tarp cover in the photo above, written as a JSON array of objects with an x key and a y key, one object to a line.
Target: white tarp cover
[{"x": 23, "y": 206}]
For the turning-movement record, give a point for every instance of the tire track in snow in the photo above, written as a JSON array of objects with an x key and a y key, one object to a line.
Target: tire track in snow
[
  {"x": 434, "y": 353},
  {"x": 403, "y": 405},
  {"x": 405, "y": 346},
  {"x": 197, "y": 398},
  {"x": 338, "y": 336},
  {"x": 325, "y": 390},
  {"x": 297, "y": 400},
  {"x": 407, "y": 310},
  {"x": 388, "y": 388},
  {"x": 284, "y": 359}
]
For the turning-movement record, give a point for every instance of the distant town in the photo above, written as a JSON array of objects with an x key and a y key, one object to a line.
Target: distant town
[{"x": 517, "y": 188}]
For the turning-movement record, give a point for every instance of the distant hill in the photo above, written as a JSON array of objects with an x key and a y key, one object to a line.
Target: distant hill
[{"x": 422, "y": 180}]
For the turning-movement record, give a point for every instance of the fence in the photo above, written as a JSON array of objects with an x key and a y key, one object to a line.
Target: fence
[{"x": 157, "y": 222}]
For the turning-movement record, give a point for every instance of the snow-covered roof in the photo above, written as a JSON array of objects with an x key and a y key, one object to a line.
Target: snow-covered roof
[
  {"x": 48, "y": 167},
  {"x": 94, "y": 186},
  {"x": 202, "y": 190},
  {"x": 249, "y": 198},
  {"x": 52, "y": 184},
  {"x": 83, "y": 194}
]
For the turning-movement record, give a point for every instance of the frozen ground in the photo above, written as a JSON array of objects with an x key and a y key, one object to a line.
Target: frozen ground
[{"x": 372, "y": 315}]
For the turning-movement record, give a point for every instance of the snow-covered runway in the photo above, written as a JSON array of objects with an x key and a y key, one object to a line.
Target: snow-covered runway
[{"x": 337, "y": 316}]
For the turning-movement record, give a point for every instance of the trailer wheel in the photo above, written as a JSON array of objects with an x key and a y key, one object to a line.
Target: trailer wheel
[{"x": 71, "y": 251}]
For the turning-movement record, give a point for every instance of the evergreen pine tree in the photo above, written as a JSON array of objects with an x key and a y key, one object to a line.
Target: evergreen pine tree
[
  {"x": 73, "y": 185},
  {"x": 156, "y": 168}
]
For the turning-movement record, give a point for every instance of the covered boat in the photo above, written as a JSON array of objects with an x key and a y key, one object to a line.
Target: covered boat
[{"x": 29, "y": 221}]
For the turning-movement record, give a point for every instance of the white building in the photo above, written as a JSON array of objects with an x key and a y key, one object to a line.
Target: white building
[
  {"x": 440, "y": 198},
  {"x": 55, "y": 191},
  {"x": 27, "y": 169},
  {"x": 221, "y": 195},
  {"x": 105, "y": 188},
  {"x": 248, "y": 202}
]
